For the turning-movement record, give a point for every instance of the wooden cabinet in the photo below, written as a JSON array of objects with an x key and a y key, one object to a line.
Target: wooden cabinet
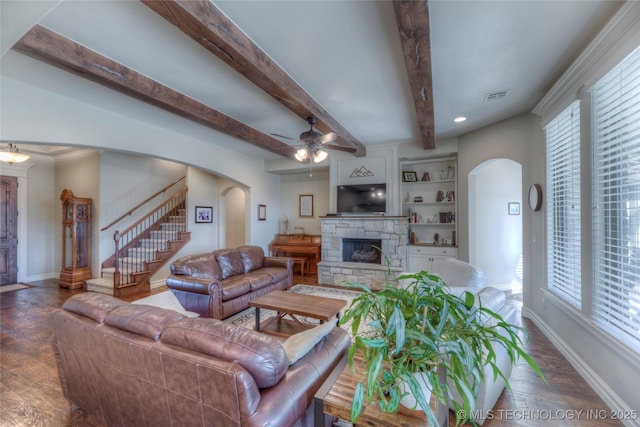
[
  {"x": 76, "y": 240},
  {"x": 429, "y": 200}
]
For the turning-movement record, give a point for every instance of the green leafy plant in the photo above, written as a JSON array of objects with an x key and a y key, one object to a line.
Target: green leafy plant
[{"x": 421, "y": 327}]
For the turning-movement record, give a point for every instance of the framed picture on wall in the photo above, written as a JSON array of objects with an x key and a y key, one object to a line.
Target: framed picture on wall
[
  {"x": 305, "y": 205},
  {"x": 514, "y": 208},
  {"x": 204, "y": 214},
  {"x": 262, "y": 212}
]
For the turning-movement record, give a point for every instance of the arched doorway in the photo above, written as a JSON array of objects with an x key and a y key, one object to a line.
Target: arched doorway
[
  {"x": 233, "y": 217},
  {"x": 495, "y": 221}
]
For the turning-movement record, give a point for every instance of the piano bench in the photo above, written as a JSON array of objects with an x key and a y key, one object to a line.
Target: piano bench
[{"x": 302, "y": 262}]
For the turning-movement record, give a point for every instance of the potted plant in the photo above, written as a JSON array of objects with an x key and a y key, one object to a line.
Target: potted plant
[{"x": 420, "y": 327}]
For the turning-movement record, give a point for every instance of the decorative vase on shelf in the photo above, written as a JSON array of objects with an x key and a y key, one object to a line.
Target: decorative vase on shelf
[{"x": 407, "y": 197}]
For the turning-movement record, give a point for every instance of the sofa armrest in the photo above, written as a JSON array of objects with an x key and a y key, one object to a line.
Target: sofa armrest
[
  {"x": 278, "y": 261},
  {"x": 202, "y": 296},
  {"x": 191, "y": 284}
]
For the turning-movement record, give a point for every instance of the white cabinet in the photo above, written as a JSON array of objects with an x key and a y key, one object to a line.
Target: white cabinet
[
  {"x": 421, "y": 257},
  {"x": 429, "y": 200}
]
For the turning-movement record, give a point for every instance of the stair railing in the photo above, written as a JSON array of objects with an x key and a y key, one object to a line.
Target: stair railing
[
  {"x": 162, "y": 224},
  {"x": 139, "y": 205}
]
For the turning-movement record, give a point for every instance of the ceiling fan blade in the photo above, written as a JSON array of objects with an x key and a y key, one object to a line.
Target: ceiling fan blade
[
  {"x": 331, "y": 136},
  {"x": 285, "y": 137},
  {"x": 340, "y": 148}
]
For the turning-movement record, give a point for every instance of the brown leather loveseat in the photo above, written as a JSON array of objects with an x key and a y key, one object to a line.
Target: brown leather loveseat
[
  {"x": 221, "y": 283},
  {"x": 138, "y": 365}
]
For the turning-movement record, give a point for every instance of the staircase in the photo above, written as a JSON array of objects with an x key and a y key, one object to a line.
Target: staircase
[{"x": 142, "y": 249}]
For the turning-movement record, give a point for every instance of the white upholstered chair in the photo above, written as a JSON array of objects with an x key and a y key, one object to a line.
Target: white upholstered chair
[{"x": 461, "y": 276}]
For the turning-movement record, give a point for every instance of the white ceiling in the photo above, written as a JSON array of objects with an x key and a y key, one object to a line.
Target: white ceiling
[{"x": 345, "y": 54}]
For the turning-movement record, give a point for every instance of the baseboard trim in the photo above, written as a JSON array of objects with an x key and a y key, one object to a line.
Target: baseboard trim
[
  {"x": 158, "y": 283},
  {"x": 600, "y": 386},
  {"x": 37, "y": 277}
]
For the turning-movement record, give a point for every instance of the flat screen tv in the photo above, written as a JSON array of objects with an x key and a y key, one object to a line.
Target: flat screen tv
[{"x": 363, "y": 198}]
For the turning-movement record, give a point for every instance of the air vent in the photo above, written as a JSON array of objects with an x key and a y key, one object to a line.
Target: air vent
[{"x": 495, "y": 96}]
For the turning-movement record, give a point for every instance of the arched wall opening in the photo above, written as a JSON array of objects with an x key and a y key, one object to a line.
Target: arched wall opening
[{"x": 495, "y": 221}]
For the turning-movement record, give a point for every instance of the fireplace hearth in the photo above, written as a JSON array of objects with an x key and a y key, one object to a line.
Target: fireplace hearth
[{"x": 361, "y": 250}]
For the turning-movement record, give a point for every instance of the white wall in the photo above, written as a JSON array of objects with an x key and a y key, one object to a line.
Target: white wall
[
  {"x": 82, "y": 176},
  {"x": 44, "y": 208},
  {"x": 291, "y": 187},
  {"x": 69, "y": 122},
  {"x": 203, "y": 191}
]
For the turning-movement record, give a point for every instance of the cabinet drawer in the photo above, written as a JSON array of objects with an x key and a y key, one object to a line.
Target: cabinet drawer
[{"x": 447, "y": 251}]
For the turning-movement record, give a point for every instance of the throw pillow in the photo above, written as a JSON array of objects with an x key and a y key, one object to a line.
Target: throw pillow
[{"x": 297, "y": 345}]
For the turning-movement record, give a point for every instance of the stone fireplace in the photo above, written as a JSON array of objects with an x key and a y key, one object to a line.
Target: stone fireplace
[{"x": 346, "y": 236}]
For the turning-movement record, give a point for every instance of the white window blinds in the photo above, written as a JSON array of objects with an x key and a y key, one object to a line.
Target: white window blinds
[
  {"x": 563, "y": 204},
  {"x": 616, "y": 197}
]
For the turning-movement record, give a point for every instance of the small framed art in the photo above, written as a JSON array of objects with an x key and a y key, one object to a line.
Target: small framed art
[
  {"x": 262, "y": 212},
  {"x": 514, "y": 208},
  {"x": 305, "y": 205},
  {"x": 409, "y": 176},
  {"x": 204, "y": 214}
]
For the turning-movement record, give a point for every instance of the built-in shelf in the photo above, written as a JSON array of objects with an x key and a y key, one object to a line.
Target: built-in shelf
[{"x": 432, "y": 181}]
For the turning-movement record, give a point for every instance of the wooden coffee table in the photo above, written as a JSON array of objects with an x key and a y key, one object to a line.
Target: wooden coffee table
[{"x": 291, "y": 304}]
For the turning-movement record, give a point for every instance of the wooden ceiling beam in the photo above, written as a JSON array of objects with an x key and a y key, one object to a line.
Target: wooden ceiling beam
[
  {"x": 55, "y": 49},
  {"x": 412, "y": 18},
  {"x": 206, "y": 24}
]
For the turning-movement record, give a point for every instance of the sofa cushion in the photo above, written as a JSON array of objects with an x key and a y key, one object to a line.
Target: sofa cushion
[
  {"x": 277, "y": 273},
  {"x": 198, "y": 266},
  {"x": 234, "y": 287},
  {"x": 93, "y": 305},
  {"x": 297, "y": 345},
  {"x": 259, "y": 280},
  {"x": 261, "y": 355},
  {"x": 142, "y": 320},
  {"x": 230, "y": 262},
  {"x": 252, "y": 257}
]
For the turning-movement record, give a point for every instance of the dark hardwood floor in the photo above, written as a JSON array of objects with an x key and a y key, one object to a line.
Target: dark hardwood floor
[{"x": 30, "y": 393}]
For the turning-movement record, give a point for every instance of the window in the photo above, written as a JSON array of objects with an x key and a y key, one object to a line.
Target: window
[
  {"x": 563, "y": 205},
  {"x": 616, "y": 197}
]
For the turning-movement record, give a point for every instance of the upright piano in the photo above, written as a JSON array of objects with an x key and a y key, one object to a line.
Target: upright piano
[{"x": 299, "y": 245}]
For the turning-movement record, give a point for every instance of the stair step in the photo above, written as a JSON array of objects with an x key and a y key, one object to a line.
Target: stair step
[
  {"x": 158, "y": 244},
  {"x": 145, "y": 254},
  {"x": 164, "y": 234},
  {"x": 177, "y": 219},
  {"x": 172, "y": 226},
  {"x": 101, "y": 285}
]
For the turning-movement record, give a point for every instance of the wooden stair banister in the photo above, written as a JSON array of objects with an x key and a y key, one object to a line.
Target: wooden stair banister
[{"x": 139, "y": 205}]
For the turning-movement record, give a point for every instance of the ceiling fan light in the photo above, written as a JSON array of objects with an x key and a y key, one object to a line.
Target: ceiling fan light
[
  {"x": 302, "y": 154},
  {"x": 319, "y": 156},
  {"x": 11, "y": 155}
]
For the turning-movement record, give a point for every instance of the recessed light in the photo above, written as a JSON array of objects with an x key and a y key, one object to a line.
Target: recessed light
[{"x": 459, "y": 119}]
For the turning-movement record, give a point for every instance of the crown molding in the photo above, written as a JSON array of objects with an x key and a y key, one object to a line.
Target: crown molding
[{"x": 572, "y": 81}]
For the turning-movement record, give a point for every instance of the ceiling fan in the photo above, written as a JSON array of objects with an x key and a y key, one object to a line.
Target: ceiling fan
[{"x": 314, "y": 143}]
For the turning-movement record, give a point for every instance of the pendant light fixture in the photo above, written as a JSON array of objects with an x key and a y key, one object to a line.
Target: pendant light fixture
[{"x": 10, "y": 154}]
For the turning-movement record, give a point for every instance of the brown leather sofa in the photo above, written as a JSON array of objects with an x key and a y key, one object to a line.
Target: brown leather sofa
[
  {"x": 221, "y": 283},
  {"x": 138, "y": 365}
]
